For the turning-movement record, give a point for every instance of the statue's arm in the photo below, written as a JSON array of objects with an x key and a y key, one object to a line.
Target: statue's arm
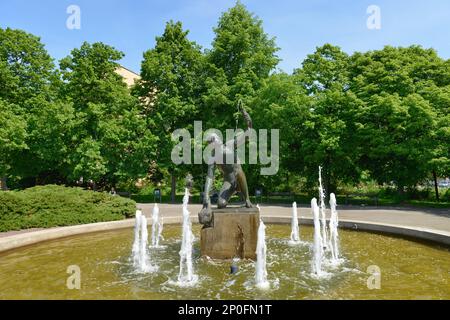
[
  {"x": 208, "y": 185},
  {"x": 247, "y": 118},
  {"x": 241, "y": 138}
]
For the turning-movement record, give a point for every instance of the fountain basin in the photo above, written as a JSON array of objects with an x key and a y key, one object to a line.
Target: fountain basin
[{"x": 409, "y": 269}]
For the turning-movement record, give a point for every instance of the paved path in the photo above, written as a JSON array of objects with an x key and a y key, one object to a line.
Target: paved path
[{"x": 436, "y": 219}]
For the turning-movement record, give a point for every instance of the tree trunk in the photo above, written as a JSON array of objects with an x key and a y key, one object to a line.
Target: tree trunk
[
  {"x": 327, "y": 182},
  {"x": 400, "y": 190},
  {"x": 436, "y": 187},
  {"x": 330, "y": 187},
  {"x": 327, "y": 179},
  {"x": 288, "y": 187},
  {"x": 174, "y": 187},
  {"x": 4, "y": 185}
]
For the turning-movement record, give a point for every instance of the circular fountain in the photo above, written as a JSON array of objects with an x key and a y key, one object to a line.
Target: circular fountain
[
  {"x": 409, "y": 269},
  {"x": 122, "y": 265}
]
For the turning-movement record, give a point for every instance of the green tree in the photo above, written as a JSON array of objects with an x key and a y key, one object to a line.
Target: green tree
[
  {"x": 326, "y": 136},
  {"x": 89, "y": 73},
  {"x": 28, "y": 81},
  {"x": 49, "y": 128},
  {"x": 26, "y": 69},
  {"x": 403, "y": 90},
  {"x": 396, "y": 134},
  {"x": 281, "y": 104},
  {"x": 109, "y": 140},
  {"x": 435, "y": 88},
  {"x": 12, "y": 138},
  {"x": 171, "y": 89},
  {"x": 243, "y": 55}
]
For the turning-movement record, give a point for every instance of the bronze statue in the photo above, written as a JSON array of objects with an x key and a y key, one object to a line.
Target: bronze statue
[{"x": 233, "y": 175}]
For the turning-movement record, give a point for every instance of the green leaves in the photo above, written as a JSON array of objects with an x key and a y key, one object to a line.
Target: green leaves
[
  {"x": 172, "y": 72},
  {"x": 326, "y": 136},
  {"x": 397, "y": 138},
  {"x": 26, "y": 69},
  {"x": 12, "y": 135},
  {"x": 85, "y": 124},
  {"x": 326, "y": 69},
  {"x": 241, "y": 48},
  {"x": 405, "y": 92},
  {"x": 243, "y": 55},
  {"x": 383, "y": 113},
  {"x": 49, "y": 127},
  {"x": 87, "y": 160},
  {"x": 110, "y": 141},
  {"x": 90, "y": 77},
  {"x": 171, "y": 87}
]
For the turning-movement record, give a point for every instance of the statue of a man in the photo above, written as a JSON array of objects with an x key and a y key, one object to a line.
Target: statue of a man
[{"x": 233, "y": 175}]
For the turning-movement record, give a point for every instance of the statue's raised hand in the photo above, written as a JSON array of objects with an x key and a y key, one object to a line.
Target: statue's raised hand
[{"x": 246, "y": 116}]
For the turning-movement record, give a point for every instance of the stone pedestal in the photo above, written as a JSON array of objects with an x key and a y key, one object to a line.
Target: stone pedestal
[{"x": 233, "y": 234}]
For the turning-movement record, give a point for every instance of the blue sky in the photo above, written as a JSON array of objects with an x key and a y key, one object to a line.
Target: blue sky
[{"x": 298, "y": 25}]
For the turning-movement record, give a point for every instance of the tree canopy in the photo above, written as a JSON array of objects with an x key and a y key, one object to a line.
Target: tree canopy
[
  {"x": 243, "y": 56},
  {"x": 382, "y": 115},
  {"x": 110, "y": 140}
]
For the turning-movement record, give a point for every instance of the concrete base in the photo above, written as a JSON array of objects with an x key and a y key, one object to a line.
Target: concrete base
[{"x": 234, "y": 234}]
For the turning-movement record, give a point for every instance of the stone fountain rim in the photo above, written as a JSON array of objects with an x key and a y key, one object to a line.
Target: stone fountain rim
[{"x": 13, "y": 242}]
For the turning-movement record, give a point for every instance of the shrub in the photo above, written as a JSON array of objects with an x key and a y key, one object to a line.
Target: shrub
[
  {"x": 446, "y": 196},
  {"x": 51, "y": 206}
]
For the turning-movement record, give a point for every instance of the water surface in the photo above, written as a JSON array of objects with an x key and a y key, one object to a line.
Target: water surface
[{"x": 409, "y": 269}]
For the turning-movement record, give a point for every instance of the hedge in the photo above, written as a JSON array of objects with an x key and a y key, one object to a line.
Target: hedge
[{"x": 52, "y": 206}]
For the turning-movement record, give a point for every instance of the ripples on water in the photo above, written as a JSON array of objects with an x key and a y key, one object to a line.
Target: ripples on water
[{"x": 409, "y": 270}]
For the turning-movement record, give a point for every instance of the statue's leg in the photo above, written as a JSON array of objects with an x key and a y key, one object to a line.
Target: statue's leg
[
  {"x": 225, "y": 194},
  {"x": 242, "y": 182}
]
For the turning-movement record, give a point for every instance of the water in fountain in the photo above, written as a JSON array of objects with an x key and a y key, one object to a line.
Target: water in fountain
[
  {"x": 261, "y": 251},
  {"x": 137, "y": 239},
  {"x": 157, "y": 227},
  {"x": 295, "y": 234},
  {"x": 317, "y": 244},
  {"x": 334, "y": 236},
  {"x": 186, "y": 276},
  {"x": 322, "y": 212}
]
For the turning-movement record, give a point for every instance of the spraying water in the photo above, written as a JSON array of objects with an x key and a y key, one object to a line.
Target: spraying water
[
  {"x": 140, "y": 254},
  {"x": 144, "y": 260},
  {"x": 137, "y": 239},
  {"x": 157, "y": 226},
  {"x": 186, "y": 275},
  {"x": 295, "y": 234},
  {"x": 323, "y": 211},
  {"x": 317, "y": 245},
  {"x": 261, "y": 251},
  {"x": 334, "y": 237}
]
